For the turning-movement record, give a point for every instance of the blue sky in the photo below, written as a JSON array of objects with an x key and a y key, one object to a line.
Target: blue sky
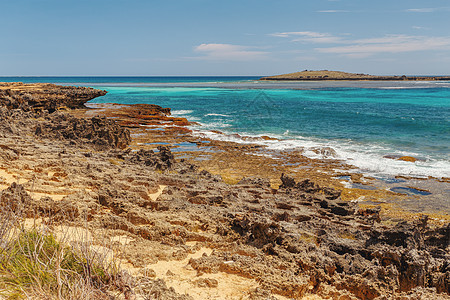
[{"x": 206, "y": 37}]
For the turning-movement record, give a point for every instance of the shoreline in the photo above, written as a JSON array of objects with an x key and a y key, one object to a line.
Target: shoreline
[
  {"x": 234, "y": 161},
  {"x": 188, "y": 233},
  {"x": 325, "y": 150}
]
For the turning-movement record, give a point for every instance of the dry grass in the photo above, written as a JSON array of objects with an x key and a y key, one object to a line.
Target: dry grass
[
  {"x": 116, "y": 162},
  {"x": 35, "y": 265},
  {"x": 347, "y": 235},
  {"x": 308, "y": 238},
  {"x": 40, "y": 258}
]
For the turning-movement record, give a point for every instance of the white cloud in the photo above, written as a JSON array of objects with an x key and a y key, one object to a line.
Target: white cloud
[
  {"x": 421, "y": 10},
  {"x": 309, "y": 36},
  {"x": 229, "y": 52},
  {"x": 358, "y": 48},
  {"x": 387, "y": 39},
  {"x": 389, "y": 44},
  {"x": 427, "y": 9}
]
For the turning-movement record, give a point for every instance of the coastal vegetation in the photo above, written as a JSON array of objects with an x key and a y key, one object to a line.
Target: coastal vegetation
[{"x": 34, "y": 265}]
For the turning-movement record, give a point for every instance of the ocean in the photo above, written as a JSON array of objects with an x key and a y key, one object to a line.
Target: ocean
[{"x": 364, "y": 122}]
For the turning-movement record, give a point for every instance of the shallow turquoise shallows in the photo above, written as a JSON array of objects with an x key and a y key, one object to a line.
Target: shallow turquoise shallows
[{"x": 363, "y": 122}]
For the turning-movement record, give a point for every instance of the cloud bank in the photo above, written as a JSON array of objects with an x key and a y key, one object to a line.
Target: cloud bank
[
  {"x": 393, "y": 43},
  {"x": 309, "y": 36}
]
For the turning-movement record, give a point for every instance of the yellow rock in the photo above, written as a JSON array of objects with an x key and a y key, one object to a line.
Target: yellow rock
[{"x": 408, "y": 158}]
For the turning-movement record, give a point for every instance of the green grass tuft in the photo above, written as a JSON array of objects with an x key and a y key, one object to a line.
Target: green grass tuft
[{"x": 35, "y": 265}]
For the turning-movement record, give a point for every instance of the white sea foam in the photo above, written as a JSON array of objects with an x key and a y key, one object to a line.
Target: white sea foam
[
  {"x": 346, "y": 184},
  {"x": 180, "y": 112},
  {"x": 368, "y": 159},
  {"x": 217, "y": 115},
  {"x": 398, "y": 87}
]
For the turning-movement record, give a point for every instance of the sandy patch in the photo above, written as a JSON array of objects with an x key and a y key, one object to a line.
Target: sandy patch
[
  {"x": 155, "y": 196},
  {"x": 83, "y": 240},
  {"x": 32, "y": 223},
  {"x": 122, "y": 239},
  {"x": 69, "y": 234},
  {"x": 7, "y": 178},
  {"x": 184, "y": 279},
  {"x": 38, "y": 196}
]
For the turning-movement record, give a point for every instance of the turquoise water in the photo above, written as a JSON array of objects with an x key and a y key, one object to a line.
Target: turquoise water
[
  {"x": 124, "y": 80},
  {"x": 363, "y": 122}
]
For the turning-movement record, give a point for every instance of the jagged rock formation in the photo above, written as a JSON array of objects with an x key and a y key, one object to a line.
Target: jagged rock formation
[
  {"x": 161, "y": 160},
  {"x": 36, "y": 111},
  {"x": 135, "y": 115},
  {"x": 100, "y": 132},
  {"x": 45, "y": 96}
]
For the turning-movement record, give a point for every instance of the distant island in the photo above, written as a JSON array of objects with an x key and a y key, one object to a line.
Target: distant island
[{"x": 337, "y": 75}]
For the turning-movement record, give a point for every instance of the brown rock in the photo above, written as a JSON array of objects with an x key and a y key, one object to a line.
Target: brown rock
[
  {"x": 15, "y": 199},
  {"x": 206, "y": 283},
  {"x": 45, "y": 96},
  {"x": 100, "y": 132},
  {"x": 408, "y": 158}
]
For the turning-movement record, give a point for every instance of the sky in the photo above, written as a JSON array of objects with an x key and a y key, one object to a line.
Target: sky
[{"x": 228, "y": 37}]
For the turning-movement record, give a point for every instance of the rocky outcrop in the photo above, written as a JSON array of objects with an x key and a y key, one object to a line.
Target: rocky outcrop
[
  {"x": 45, "y": 96},
  {"x": 161, "y": 160},
  {"x": 333, "y": 245},
  {"x": 16, "y": 200},
  {"x": 16, "y": 121},
  {"x": 34, "y": 109},
  {"x": 100, "y": 132},
  {"x": 136, "y": 115},
  {"x": 308, "y": 187}
]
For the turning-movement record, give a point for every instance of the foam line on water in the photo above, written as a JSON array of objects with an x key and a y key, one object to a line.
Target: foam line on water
[
  {"x": 217, "y": 115},
  {"x": 180, "y": 112},
  {"x": 367, "y": 158}
]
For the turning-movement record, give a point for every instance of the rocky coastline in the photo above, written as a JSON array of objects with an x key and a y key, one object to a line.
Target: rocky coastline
[
  {"x": 183, "y": 232},
  {"x": 326, "y": 75}
]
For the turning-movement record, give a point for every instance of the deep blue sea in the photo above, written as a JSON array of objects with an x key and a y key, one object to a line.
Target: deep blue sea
[{"x": 361, "y": 121}]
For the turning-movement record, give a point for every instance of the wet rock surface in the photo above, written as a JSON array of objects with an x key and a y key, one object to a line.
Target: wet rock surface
[
  {"x": 295, "y": 240},
  {"x": 136, "y": 115}
]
